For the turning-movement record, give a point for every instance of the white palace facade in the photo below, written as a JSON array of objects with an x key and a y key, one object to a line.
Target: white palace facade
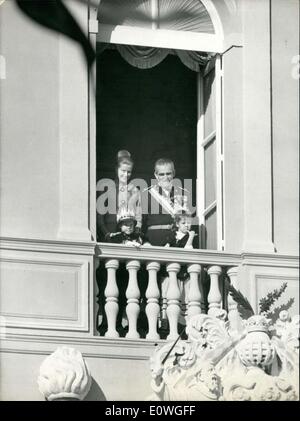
[{"x": 53, "y": 123}]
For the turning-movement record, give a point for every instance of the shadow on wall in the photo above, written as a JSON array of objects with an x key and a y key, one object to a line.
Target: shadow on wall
[{"x": 95, "y": 393}]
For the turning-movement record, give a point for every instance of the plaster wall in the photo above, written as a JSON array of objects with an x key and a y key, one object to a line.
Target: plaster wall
[
  {"x": 256, "y": 118},
  {"x": 113, "y": 379},
  {"x": 257, "y": 280},
  {"x": 29, "y": 128},
  {"x": 270, "y": 121},
  {"x": 44, "y": 130},
  {"x": 285, "y": 98},
  {"x": 233, "y": 150}
]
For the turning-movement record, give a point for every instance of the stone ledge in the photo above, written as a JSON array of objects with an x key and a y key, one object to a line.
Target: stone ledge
[
  {"x": 96, "y": 347},
  {"x": 272, "y": 259},
  {"x": 163, "y": 254},
  {"x": 159, "y": 254},
  {"x": 47, "y": 246}
]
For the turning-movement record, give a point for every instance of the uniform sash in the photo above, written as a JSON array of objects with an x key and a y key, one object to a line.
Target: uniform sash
[{"x": 165, "y": 204}]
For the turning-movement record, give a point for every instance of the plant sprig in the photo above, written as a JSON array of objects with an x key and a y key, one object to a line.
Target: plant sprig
[
  {"x": 244, "y": 307},
  {"x": 266, "y": 303}
]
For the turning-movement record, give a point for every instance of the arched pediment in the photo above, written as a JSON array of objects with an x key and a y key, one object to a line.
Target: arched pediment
[
  {"x": 178, "y": 15},
  {"x": 192, "y": 25}
]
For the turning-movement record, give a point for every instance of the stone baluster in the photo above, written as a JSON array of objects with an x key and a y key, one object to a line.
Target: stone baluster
[
  {"x": 152, "y": 295},
  {"x": 111, "y": 293},
  {"x": 194, "y": 294},
  {"x": 173, "y": 297},
  {"x": 233, "y": 314},
  {"x": 214, "y": 297},
  {"x": 132, "y": 295}
]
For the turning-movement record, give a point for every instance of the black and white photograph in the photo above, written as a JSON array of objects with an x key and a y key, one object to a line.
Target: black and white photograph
[{"x": 149, "y": 203}]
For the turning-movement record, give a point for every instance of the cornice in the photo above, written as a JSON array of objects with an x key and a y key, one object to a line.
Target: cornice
[
  {"x": 149, "y": 254},
  {"x": 96, "y": 347},
  {"x": 270, "y": 259},
  {"x": 47, "y": 246}
]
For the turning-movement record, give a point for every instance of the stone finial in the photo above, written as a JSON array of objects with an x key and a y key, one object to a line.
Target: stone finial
[
  {"x": 64, "y": 375},
  {"x": 257, "y": 323},
  {"x": 256, "y": 349}
]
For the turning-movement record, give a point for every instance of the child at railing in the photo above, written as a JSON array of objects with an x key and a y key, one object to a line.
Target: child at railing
[
  {"x": 127, "y": 235},
  {"x": 181, "y": 235},
  {"x": 126, "y": 222}
]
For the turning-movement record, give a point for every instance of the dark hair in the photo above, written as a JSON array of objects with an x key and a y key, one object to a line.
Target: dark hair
[
  {"x": 120, "y": 223},
  {"x": 124, "y": 157}
]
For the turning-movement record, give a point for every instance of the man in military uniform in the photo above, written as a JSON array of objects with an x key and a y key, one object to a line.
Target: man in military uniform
[{"x": 163, "y": 201}]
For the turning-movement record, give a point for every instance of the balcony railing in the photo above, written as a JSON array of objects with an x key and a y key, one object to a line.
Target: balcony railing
[{"x": 168, "y": 285}]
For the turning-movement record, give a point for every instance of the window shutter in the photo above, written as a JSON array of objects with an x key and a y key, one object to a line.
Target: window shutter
[{"x": 210, "y": 158}]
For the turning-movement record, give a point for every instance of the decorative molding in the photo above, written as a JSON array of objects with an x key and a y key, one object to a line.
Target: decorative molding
[
  {"x": 160, "y": 38},
  {"x": 78, "y": 321},
  {"x": 165, "y": 254},
  {"x": 272, "y": 259},
  {"x": 214, "y": 15},
  {"x": 47, "y": 246},
  {"x": 160, "y": 254},
  {"x": 93, "y": 347},
  {"x": 200, "y": 256}
]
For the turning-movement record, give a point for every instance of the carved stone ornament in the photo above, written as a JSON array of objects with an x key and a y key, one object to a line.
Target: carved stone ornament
[
  {"x": 64, "y": 375},
  {"x": 216, "y": 362}
]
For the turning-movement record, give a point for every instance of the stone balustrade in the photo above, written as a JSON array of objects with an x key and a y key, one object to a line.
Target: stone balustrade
[{"x": 173, "y": 282}]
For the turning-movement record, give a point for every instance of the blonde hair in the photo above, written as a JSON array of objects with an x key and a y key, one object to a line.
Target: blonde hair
[
  {"x": 179, "y": 216},
  {"x": 124, "y": 157}
]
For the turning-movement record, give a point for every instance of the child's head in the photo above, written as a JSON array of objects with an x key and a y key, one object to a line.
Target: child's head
[
  {"x": 127, "y": 226},
  {"x": 126, "y": 221},
  {"x": 183, "y": 221}
]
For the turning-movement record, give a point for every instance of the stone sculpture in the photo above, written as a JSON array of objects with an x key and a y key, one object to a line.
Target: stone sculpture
[
  {"x": 64, "y": 375},
  {"x": 258, "y": 362}
]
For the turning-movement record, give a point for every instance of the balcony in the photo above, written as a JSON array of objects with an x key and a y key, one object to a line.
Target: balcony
[
  {"x": 164, "y": 285},
  {"x": 48, "y": 301}
]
